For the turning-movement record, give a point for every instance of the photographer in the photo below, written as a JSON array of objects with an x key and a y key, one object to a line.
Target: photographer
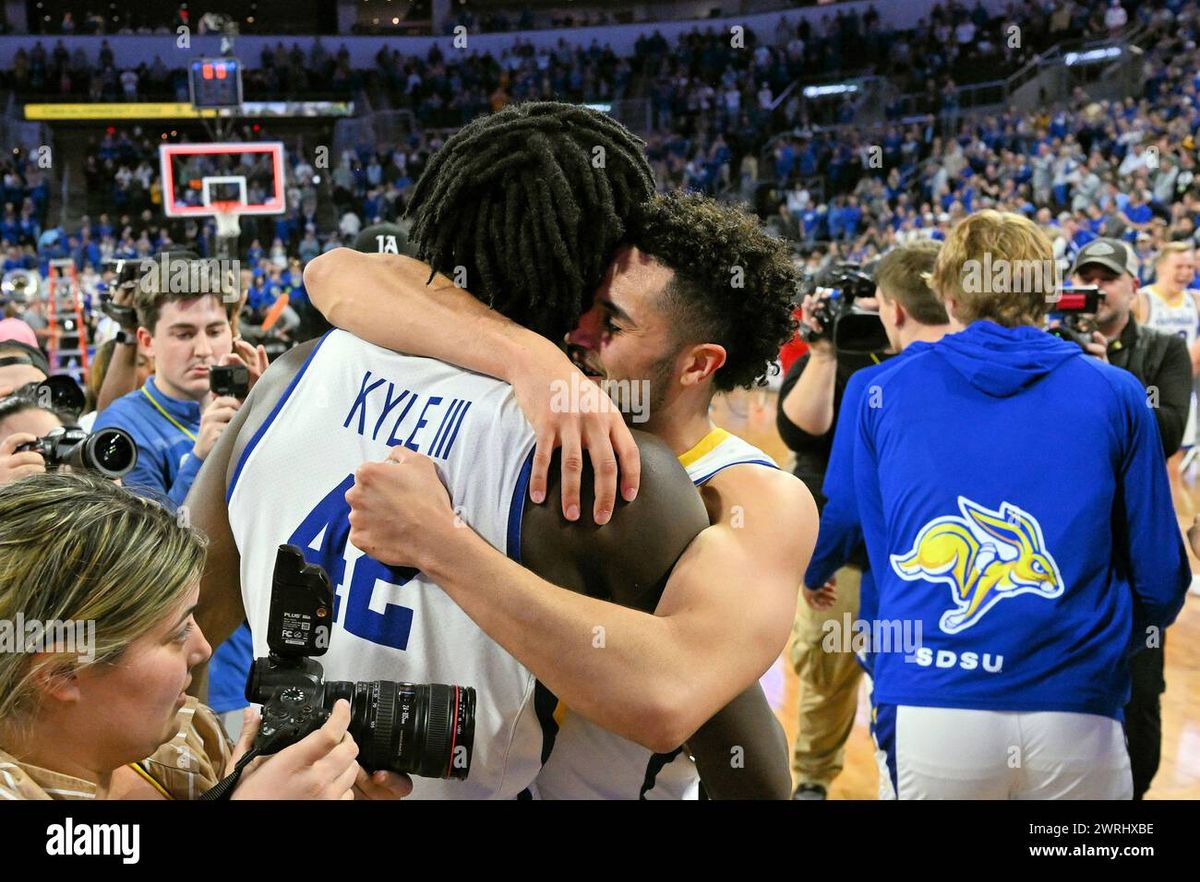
[
  {"x": 809, "y": 401},
  {"x": 1161, "y": 363},
  {"x": 174, "y": 417},
  {"x": 99, "y": 712},
  {"x": 1159, "y": 360}
]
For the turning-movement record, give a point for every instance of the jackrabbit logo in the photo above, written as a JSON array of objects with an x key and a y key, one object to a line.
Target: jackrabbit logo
[{"x": 984, "y": 556}]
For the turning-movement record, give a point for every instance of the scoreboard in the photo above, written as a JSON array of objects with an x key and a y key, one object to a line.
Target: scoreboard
[{"x": 216, "y": 82}]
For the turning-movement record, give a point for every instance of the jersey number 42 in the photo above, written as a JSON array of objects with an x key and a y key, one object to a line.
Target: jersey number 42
[{"x": 324, "y": 535}]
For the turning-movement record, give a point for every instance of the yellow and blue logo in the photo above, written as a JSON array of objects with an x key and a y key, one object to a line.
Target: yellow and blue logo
[{"x": 984, "y": 556}]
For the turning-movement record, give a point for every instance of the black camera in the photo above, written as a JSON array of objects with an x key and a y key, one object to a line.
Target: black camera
[
  {"x": 111, "y": 453},
  {"x": 59, "y": 392},
  {"x": 1075, "y": 308},
  {"x": 426, "y": 729},
  {"x": 850, "y": 328},
  {"x": 229, "y": 379}
]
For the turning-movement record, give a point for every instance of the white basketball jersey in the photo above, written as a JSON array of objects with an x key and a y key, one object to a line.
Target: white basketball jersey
[
  {"x": 1178, "y": 321},
  {"x": 350, "y": 403},
  {"x": 589, "y": 762}
]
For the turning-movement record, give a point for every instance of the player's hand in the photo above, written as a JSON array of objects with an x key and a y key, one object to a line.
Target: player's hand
[
  {"x": 320, "y": 766},
  {"x": 213, "y": 421},
  {"x": 1193, "y": 535},
  {"x": 821, "y": 598},
  {"x": 381, "y": 785},
  {"x": 15, "y": 466},
  {"x": 568, "y": 410},
  {"x": 400, "y": 511}
]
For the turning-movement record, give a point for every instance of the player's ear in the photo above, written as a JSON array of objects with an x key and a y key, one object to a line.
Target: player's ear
[{"x": 701, "y": 362}]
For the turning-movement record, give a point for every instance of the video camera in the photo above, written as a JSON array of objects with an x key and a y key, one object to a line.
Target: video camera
[
  {"x": 111, "y": 452},
  {"x": 426, "y": 730},
  {"x": 1076, "y": 308},
  {"x": 850, "y": 328}
]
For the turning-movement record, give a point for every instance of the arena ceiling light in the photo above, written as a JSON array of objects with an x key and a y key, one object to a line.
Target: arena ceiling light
[
  {"x": 1092, "y": 56},
  {"x": 832, "y": 89}
]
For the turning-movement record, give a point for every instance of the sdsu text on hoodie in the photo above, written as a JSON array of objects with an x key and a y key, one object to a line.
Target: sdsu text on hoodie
[{"x": 1014, "y": 502}]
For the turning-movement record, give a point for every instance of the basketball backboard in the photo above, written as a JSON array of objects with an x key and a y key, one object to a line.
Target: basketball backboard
[{"x": 195, "y": 176}]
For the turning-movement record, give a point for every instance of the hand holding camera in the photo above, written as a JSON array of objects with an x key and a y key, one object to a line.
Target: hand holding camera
[
  {"x": 17, "y": 459},
  {"x": 320, "y": 766},
  {"x": 816, "y": 313},
  {"x": 110, "y": 453},
  {"x": 213, "y": 420},
  {"x": 403, "y": 728}
]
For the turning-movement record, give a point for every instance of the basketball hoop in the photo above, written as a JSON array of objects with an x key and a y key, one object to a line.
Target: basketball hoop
[{"x": 226, "y": 214}]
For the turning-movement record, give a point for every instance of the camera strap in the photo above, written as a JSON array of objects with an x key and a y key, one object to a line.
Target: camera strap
[{"x": 191, "y": 436}]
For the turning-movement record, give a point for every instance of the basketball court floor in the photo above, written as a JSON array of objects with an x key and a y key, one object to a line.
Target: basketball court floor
[{"x": 751, "y": 415}]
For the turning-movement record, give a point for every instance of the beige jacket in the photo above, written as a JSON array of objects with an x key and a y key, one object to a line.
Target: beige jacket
[{"x": 186, "y": 766}]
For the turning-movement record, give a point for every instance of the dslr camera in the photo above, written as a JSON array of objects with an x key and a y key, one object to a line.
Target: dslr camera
[
  {"x": 426, "y": 729},
  {"x": 1076, "y": 310},
  {"x": 850, "y": 328},
  {"x": 110, "y": 453}
]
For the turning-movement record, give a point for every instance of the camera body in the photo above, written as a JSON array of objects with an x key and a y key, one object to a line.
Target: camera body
[
  {"x": 111, "y": 452},
  {"x": 416, "y": 729},
  {"x": 1076, "y": 308},
  {"x": 848, "y": 327},
  {"x": 229, "y": 379}
]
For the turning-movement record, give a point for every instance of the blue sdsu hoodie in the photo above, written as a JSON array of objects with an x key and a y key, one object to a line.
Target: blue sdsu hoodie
[{"x": 1014, "y": 502}]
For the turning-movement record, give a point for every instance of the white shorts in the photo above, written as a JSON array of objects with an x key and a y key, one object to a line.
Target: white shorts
[{"x": 951, "y": 753}]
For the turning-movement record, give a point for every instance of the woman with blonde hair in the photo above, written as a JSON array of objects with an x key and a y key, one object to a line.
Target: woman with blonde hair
[{"x": 97, "y": 642}]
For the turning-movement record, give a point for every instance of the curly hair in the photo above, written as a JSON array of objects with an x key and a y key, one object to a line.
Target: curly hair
[
  {"x": 733, "y": 285},
  {"x": 531, "y": 202}
]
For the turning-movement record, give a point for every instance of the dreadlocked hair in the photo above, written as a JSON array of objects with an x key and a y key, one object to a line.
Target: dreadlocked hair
[
  {"x": 531, "y": 202},
  {"x": 733, "y": 283}
]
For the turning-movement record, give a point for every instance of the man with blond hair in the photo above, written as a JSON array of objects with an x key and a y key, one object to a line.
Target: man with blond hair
[{"x": 1015, "y": 507}]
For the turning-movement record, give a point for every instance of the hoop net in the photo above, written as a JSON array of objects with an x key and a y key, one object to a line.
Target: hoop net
[{"x": 226, "y": 214}]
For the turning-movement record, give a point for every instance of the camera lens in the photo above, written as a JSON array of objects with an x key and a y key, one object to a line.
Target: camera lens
[
  {"x": 111, "y": 452},
  {"x": 426, "y": 730}
]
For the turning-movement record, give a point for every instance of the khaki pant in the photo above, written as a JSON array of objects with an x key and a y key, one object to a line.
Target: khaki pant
[{"x": 828, "y": 686}]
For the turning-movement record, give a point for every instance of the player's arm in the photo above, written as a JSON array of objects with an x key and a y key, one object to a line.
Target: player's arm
[
  {"x": 742, "y": 753},
  {"x": 723, "y": 618},
  {"x": 220, "y": 610},
  {"x": 391, "y": 301}
]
